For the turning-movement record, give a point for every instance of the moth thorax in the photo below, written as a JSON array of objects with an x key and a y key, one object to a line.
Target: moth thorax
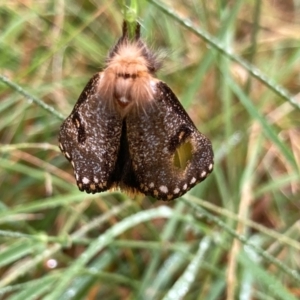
[
  {"x": 132, "y": 88},
  {"x": 128, "y": 87}
]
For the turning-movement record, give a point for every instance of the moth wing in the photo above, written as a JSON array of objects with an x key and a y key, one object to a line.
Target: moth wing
[
  {"x": 154, "y": 135},
  {"x": 90, "y": 138}
]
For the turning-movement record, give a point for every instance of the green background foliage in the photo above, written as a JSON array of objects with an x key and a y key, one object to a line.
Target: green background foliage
[{"x": 233, "y": 65}]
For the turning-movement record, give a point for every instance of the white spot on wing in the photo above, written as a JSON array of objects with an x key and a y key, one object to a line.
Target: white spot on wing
[
  {"x": 185, "y": 187},
  {"x": 85, "y": 180},
  {"x": 163, "y": 189},
  {"x": 203, "y": 174},
  {"x": 210, "y": 167},
  {"x": 176, "y": 190},
  {"x": 151, "y": 185},
  {"x": 193, "y": 180}
]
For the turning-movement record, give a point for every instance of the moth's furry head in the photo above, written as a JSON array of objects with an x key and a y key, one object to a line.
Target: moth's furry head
[
  {"x": 152, "y": 60},
  {"x": 127, "y": 81}
]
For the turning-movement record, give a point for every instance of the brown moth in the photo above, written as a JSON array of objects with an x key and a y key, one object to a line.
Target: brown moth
[{"x": 129, "y": 130}]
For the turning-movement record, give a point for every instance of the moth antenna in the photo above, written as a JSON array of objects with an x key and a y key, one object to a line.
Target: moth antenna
[
  {"x": 137, "y": 31},
  {"x": 125, "y": 33},
  {"x": 124, "y": 30}
]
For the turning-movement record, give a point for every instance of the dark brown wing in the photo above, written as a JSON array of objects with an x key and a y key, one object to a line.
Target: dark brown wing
[
  {"x": 90, "y": 140},
  {"x": 154, "y": 135}
]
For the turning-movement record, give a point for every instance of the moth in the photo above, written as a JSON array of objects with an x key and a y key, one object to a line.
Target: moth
[{"x": 128, "y": 130}]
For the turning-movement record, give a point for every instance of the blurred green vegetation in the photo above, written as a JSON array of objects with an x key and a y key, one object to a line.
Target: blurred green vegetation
[{"x": 234, "y": 236}]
